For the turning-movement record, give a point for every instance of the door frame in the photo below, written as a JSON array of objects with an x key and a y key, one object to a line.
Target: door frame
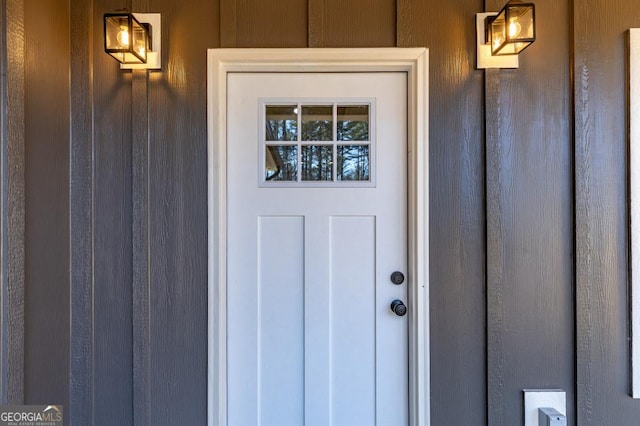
[{"x": 414, "y": 62}]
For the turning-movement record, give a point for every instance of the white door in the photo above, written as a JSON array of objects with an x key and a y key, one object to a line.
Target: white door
[{"x": 317, "y": 224}]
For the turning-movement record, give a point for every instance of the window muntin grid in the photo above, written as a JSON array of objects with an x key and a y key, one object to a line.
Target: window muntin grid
[{"x": 317, "y": 142}]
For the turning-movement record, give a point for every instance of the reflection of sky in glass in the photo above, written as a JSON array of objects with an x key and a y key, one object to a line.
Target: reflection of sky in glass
[
  {"x": 353, "y": 162},
  {"x": 281, "y": 163},
  {"x": 353, "y": 123},
  {"x": 317, "y": 123},
  {"x": 317, "y": 162},
  {"x": 281, "y": 123}
]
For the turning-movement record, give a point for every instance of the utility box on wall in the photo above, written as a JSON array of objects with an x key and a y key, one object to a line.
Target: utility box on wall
[{"x": 551, "y": 417}]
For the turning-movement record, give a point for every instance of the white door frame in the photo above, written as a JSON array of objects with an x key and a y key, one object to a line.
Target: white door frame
[{"x": 413, "y": 61}]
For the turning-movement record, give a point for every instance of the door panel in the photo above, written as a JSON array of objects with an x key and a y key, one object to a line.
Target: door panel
[
  {"x": 281, "y": 318},
  {"x": 311, "y": 337},
  {"x": 353, "y": 319}
]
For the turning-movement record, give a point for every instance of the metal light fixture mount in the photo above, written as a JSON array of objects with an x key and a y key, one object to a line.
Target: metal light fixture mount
[
  {"x": 134, "y": 39},
  {"x": 501, "y": 36}
]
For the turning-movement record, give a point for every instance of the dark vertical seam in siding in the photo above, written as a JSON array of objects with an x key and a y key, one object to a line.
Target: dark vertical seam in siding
[
  {"x": 81, "y": 210},
  {"x": 574, "y": 189},
  {"x": 395, "y": 23},
  {"x": 399, "y": 42},
  {"x": 627, "y": 213},
  {"x": 13, "y": 202},
  {"x": 495, "y": 275},
  {"x": 485, "y": 236}
]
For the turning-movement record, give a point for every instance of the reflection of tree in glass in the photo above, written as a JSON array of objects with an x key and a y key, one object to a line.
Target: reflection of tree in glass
[
  {"x": 286, "y": 159},
  {"x": 353, "y": 162},
  {"x": 317, "y": 131},
  {"x": 317, "y": 123},
  {"x": 281, "y": 123},
  {"x": 282, "y": 130},
  {"x": 317, "y": 163},
  {"x": 353, "y": 130},
  {"x": 353, "y": 123}
]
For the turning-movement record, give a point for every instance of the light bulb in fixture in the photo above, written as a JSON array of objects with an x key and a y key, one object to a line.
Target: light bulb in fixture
[
  {"x": 514, "y": 28},
  {"x": 123, "y": 36}
]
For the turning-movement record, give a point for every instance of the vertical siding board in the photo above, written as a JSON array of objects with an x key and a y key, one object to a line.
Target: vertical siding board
[
  {"x": 583, "y": 224},
  {"x": 15, "y": 201},
  {"x": 601, "y": 216},
  {"x": 140, "y": 241},
  {"x": 457, "y": 230},
  {"x": 357, "y": 23},
  {"x": 316, "y": 24},
  {"x": 228, "y": 23},
  {"x": 529, "y": 222},
  {"x": 406, "y": 21},
  {"x": 177, "y": 208},
  {"x": 112, "y": 312},
  {"x": 80, "y": 407},
  {"x": 141, "y": 283},
  {"x": 259, "y": 23},
  {"x": 13, "y": 204},
  {"x": 495, "y": 240},
  {"x": 47, "y": 237},
  {"x": 495, "y": 253},
  {"x": 5, "y": 338}
]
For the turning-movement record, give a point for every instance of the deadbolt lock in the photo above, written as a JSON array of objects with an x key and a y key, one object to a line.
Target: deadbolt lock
[{"x": 397, "y": 277}]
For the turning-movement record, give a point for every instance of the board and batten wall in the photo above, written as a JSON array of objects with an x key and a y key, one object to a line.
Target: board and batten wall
[{"x": 103, "y": 210}]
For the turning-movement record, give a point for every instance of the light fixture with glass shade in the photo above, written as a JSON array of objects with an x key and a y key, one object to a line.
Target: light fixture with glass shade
[
  {"x": 513, "y": 29},
  {"x": 128, "y": 39},
  {"x": 502, "y": 36}
]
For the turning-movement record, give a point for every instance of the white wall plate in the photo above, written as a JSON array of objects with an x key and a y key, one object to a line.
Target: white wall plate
[{"x": 542, "y": 398}]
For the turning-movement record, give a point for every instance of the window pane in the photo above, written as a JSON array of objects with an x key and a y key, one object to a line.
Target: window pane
[
  {"x": 353, "y": 162},
  {"x": 281, "y": 123},
  {"x": 281, "y": 163},
  {"x": 353, "y": 123},
  {"x": 317, "y": 123},
  {"x": 317, "y": 163}
]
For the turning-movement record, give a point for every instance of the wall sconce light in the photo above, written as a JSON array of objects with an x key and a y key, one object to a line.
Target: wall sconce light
[
  {"x": 502, "y": 36},
  {"x": 133, "y": 39}
]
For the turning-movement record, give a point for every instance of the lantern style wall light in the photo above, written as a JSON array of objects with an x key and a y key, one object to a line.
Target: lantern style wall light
[
  {"x": 502, "y": 36},
  {"x": 133, "y": 39}
]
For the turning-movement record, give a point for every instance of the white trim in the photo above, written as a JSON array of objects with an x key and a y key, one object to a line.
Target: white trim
[
  {"x": 413, "y": 61},
  {"x": 634, "y": 194}
]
